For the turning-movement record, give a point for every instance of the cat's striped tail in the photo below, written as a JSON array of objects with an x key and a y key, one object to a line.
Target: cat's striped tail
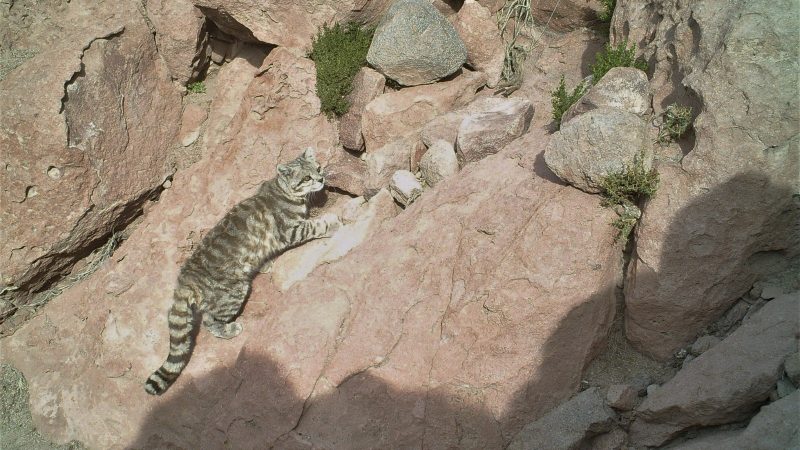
[{"x": 181, "y": 340}]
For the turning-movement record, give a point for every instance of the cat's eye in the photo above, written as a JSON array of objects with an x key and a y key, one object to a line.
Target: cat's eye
[{"x": 307, "y": 178}]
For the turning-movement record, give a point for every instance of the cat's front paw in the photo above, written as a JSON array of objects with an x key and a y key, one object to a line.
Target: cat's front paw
[{"x": 332, "y": 223}]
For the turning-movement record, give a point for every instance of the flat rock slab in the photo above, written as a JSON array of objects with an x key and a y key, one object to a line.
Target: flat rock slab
[
  {"x": 415, "y": 44},
  {"x": 727, "y": 382},
  {"x": 446, "y": 325}
]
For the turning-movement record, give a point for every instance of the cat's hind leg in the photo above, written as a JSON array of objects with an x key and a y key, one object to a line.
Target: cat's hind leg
[{"x": 219, "y": 318}]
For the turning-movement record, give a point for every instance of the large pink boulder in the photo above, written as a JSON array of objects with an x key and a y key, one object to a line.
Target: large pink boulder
[{"x": 86, "y": 138}]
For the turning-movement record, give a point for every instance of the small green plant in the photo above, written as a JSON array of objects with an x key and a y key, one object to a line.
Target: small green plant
[
  {"x": 608, "y": 10},
  {"x": 676, "y": 120},
  {"x": 625, "y": 189},
  {"x": 561, "y": 100},
  {"x": 338, "y": 52},
  {"x": 196, "y": 87},
  {"x": 619, "y": 56}
]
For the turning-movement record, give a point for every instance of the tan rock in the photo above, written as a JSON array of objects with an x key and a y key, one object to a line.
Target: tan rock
[
  {"x": 444, "y": 127},
  {"x": 404, "y": 187},
  {"x": 367, "y": 85},
  {"x": 180, "y": 34},
  {"x": 622, "y": 396},
  {"x": 724, "y": 216},
  {"x": 438, "y": 163},
  {"x": 79, "y": 162},
  {"x": 384, "y": 162},
  {"x": 625, "y": 88},
  {"x": 496, "y": 122},
  {"x": 485, "y": 48},
  {"x": 347, "y": 173},
  {"x": 727, "y": 382},
  {"x": 396, "y": 114},
  {"x": 194, "y": 115}
]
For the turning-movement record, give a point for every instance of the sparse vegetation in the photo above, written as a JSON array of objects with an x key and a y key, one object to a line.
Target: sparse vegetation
[
  {"x": 338, "y": 52},
  {"x": 196, "y": 87},
  {"x": 514, "y": 19},
  {"x": 608, "y": 10},
  {"x": 624, "y": 190},
  {"x": 561, "y": 100},
  {"x": 619, "y": 56},
  {"x": 675, "y": 122}
]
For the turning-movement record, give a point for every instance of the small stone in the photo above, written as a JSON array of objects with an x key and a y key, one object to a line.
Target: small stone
[
  {"x": 438, "y": 162},
  {"x": 621, "y": 397},
  {"x": 770, "y": 291},
  {"x": 755, "y": 292},
  {"x": 166, "y": 184},
  {"x": 194, "y": 115},
  {"x": 405, "y": 187},
  {"x": 54, "y": 172},
  {"x": 686, "y": 361},
  {"x": 704, "y": 343},
  {"x": 680, "y": 354},
  {"x": 792, "y": 367},
  {"x": 652, "y": 389},
  {"x": 784, "y": 387}
]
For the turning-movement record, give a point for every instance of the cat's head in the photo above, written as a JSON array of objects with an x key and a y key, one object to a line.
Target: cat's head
[{"x": 301, "y": 176}]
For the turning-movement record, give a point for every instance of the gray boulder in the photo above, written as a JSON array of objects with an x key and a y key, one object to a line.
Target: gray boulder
[
  {"x": 415, "y": 44},
  {"x": 596, "y": 144},
  {"x": 622, "y": 87},
  {"x": 569, "y": 426}
]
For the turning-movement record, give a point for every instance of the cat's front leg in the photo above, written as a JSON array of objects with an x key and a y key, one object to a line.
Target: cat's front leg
[{"x": 324, "y": 226}]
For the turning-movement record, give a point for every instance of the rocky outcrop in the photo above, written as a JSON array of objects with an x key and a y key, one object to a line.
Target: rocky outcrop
[
  {"x": 367, "y": 84},
  {"x": 726, "y": 383},
  {"x": 485, "y": 48},
  {"x": 446, "y": 325},
  {"x": 624, "y": 88},
  {"x": 570, "y": 426},
  {"x": 596, "y": 144},
  {"x": 180, "y": 33},
  {"x": 397, "y": 114},
  {"x": 490, "y": 125},
  {"x": 82, "y": 148},
  {"x": 415, "y": 44},
  {"x": 727, "y": 213}
]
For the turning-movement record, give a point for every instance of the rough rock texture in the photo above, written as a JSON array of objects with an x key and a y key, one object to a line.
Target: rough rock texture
[
  {"x": 725, "y": 215},
  {"x": 82, "y": 150},
  {"x": 485, "y": 48},
  {"x": 404, "y": 187},
  {"x": 497, "y": 122},
  {"x": 622, "y": 87},
  {"x": 346, "y": 173},
  {"x": 775, "y": 427},
  {"x": 613, "y": 440},
  {"x": 399, "y": 113},
  {"x": 129, "y": 295},
  {"x": 193, "y": 117},
  {"x": 704, "y": 343},
  {"x": 598, "y": 143},
  {"x": 438, "y": 163},
  {"x": 726, "y": 383},
  {"x": 297, "y": 263},
  {"x": 384, "y": 162},
  {"x": 441, "y": 327},
  {"x": 415, "y": 44},
  {"x": 792, "y": 368},
  {"x": 569, "y": 425},
  {"x": 367, "y": 84},
  {"x": 180, "y": 34},
  {"x": 444, "y": 128},
  {"x": 622, "y": 396}
]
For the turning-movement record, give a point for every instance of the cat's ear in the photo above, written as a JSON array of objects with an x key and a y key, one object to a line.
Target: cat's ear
[
  {"x": 283, "y": 170},
  {"x": 310, "y": 154}
]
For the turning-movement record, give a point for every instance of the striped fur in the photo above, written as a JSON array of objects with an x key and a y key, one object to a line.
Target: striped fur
[{"x": 215, "y": 281}]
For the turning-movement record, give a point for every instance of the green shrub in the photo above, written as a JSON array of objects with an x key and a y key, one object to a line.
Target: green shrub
[
  {"x": 338, "y": 52},
  {"x": 608, "y": 10},
  {"x": 611, "y": 57},
  {"x": 624, "y": 190},
  {"x": 561, "y": 101},
  {"x": 675, "y": 122},
  {"x": 197, "y": 87}
]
